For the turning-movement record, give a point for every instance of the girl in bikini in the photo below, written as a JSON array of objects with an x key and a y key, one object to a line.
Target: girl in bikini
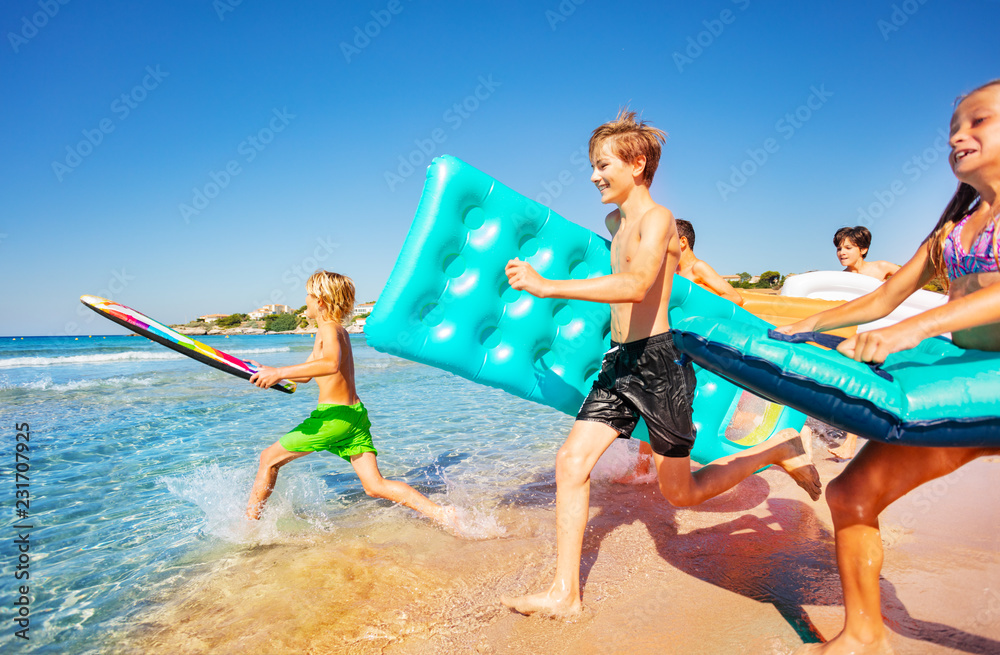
[{"x": 964, "y": 243}]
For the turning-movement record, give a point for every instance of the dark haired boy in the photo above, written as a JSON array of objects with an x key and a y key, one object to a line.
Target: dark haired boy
[
  {"x": 698, "y": 270},
  {"x": 852, "y": 247}
]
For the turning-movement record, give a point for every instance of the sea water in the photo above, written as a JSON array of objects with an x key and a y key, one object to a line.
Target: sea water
[{"x": 141, "y": 461}]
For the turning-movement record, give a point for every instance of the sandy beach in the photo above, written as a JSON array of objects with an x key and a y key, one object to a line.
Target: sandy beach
[{"x": 752, "y": 571}]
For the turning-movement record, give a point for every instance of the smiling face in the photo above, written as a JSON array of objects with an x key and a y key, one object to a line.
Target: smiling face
[
  {"x": 849, "y": 254},
  {"x": 975, "y": 138},
  {"x": 613, "y": 177}
]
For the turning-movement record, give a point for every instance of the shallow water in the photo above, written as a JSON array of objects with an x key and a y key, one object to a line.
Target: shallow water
[{"x": 142, "y": 461}]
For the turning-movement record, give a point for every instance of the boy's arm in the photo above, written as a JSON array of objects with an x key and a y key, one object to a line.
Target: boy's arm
[
  {"x": 913, "y": 275},
  {"x": 327, "y": 363},
  {"x": 982, "y": 307},
  {"x": 303, "y": 380},
  {"x": 889, "y": 269},
  {"x": 259, "y": 366},
  {"x": 631, "y": 286},
  {"x": 714, "y": 282}
]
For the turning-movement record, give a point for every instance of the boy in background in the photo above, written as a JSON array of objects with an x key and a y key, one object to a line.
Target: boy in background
[
  {"x": 699, "y": 271},
  {"x": 852, "y": 245},
  {"x": 702, "y": 274}
]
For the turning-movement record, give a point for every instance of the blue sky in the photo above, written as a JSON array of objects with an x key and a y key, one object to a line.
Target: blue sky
[{"x": 294, "y": 118}]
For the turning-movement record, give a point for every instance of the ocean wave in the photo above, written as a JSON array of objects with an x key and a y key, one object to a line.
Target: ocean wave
[
  {"x": 114, "y": 358},
  {"x": 46, "y": 384},
  {"x": 257, "y": 351}
]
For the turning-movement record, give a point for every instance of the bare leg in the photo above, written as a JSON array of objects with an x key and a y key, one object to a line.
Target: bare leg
[
  {"x": 877, "y": 477},
  {"x": 585, "y": 444},
  {"x": 366, "y": 466},
  {"x": 645, "y": 463},
  {"x": 274, "y": 457},
  {"x": 788, "y": 449},
  {"x": 846, "y": 449}
]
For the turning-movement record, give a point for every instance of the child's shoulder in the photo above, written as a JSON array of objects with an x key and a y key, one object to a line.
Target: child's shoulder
[
  {"x": 613, "y": 221},
  {"x": 886, "y": 268},
  {"x": 701, "y": 267},
  {"x": 660, "y": 217},
  {"x": 332, "y": 331},
  {"x": 658, "y": 212}
]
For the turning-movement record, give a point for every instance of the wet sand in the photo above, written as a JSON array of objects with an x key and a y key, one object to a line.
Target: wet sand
[{"x": 752, "y": 571}]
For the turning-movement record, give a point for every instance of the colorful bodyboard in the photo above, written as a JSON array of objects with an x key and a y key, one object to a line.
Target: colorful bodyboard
[{"x": 161, "y": 334}]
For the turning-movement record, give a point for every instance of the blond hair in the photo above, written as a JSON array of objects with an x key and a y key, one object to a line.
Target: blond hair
[
  {"x": 335, "y": 293},
  {"x": 630, "y": 139}
]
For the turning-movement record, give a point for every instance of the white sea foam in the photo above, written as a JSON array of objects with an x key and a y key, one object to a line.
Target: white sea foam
[
  {"x": 257, "y": 351},
  {"x": 470, "y": 520},
  {"x": 46, "y": 384},
  {"x": 103, "y": 358},
  {"x": 221, "y": 494},
  {"x": 618, "y": 463},
  {"x": 114, "y": 358},
  {"x": 476, "y": 524}
]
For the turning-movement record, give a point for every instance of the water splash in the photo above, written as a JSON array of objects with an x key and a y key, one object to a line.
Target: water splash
[
  {"x": 476, "y": 524},
  {"x": 618, "y": 464},
  {"x": 221, "y": 494}
]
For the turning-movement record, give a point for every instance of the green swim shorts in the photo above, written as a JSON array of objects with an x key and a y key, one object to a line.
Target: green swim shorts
[{"x": 344, "y": 430}]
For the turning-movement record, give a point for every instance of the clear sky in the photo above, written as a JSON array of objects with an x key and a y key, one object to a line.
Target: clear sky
[{"x": 187, "y": 157}]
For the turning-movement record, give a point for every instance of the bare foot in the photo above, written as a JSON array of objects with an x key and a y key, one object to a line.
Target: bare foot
[
  {"x": 448, "y": 517},
  {"x": 846, "y": 449},
  {"x": 456, "y": 521},
  {"x": 799, "y": 462},
  {"x": 545, "y": 604},
  {"x": 844, "y": 645}
]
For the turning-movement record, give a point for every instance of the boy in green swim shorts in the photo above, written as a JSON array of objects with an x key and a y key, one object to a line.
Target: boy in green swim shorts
[{"x": 340, "y": 422}]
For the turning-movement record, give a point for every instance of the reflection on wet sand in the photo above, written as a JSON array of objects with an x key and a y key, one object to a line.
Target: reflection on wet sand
[{"x": 752, "y": 571}]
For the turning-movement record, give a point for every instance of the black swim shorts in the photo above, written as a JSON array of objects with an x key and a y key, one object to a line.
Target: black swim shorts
[{"x": 644, "y": 379}]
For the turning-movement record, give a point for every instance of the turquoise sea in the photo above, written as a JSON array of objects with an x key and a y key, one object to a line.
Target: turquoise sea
[{"x": 141, "y": 461}]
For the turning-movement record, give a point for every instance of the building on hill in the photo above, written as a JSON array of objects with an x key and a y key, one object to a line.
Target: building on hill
[
  {"x": 736, "y": 278},
  {"x": 267, "y": 310},
  {"x": 365, "y": 308},
  {"x": 211, "y": 318}
]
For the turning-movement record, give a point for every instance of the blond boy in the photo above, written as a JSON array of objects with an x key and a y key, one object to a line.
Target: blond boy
[
  {"x": 340, "y": 422},
  {"x": 640, "y": 376}
]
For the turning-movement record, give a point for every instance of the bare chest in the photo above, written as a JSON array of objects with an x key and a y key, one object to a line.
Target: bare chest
[{"x": 623, "y": 249}]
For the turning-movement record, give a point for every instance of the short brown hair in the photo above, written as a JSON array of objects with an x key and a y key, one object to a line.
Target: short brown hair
[
  {"x": 859, "y": 236},
  {"x": 629, "y": 141},
  {"x": 686, "y": 230},
  {"x": 335, "y": 293}
]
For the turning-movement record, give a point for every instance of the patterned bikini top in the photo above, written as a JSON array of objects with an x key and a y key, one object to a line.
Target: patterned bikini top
[{"x": 979, "y": 259}]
